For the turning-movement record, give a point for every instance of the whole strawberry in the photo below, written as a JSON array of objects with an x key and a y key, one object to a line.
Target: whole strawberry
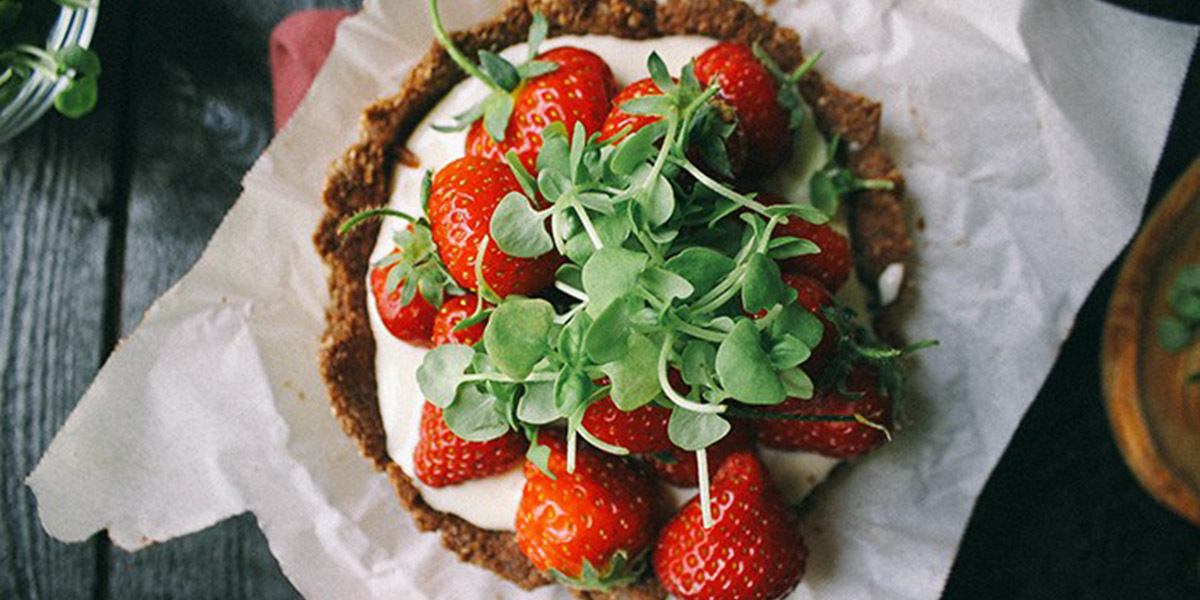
[
  {"x": 643, "y": 429},
  {"x": 839, "y": 439},
  {"x": 441, "y": 458},
  {"x": 462, "y": 198},
  {"x": 831, "y": 266},
  {"x": 410, "y": 322},
  {"x": 578, "y": 91},
  {"x": 590, "y": 528},
  {"x": 752, "y": 91},
  {"x": 678, "y": 466},
  {"x": 454, "y": 311},
  {"x": 754, "y": 549}
]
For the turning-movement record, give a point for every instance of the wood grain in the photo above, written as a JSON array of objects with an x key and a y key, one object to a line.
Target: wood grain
[{"x": 52, "y": 288}]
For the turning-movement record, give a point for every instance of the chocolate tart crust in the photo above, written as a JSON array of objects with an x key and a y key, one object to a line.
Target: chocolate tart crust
[{"x": 362, "y": 176}]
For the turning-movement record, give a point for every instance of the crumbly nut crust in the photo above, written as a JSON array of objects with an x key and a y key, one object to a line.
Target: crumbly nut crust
[{"x": 361, "y": 178}]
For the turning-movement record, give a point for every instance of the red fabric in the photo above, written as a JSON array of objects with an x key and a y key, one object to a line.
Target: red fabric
[{"x": 299, "y": 46}]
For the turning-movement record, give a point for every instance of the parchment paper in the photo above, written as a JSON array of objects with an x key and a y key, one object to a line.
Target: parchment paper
[{"x": 1028, "y": 132}]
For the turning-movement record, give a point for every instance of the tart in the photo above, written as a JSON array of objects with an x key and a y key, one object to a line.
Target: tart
[{"x": 522, "y": 286}]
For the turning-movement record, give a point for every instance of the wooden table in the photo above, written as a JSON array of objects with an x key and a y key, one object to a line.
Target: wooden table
[{"x": 99, "y": 217}]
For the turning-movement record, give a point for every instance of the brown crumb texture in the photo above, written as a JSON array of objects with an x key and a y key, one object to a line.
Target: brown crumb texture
[{"x": 362, "y": 178}]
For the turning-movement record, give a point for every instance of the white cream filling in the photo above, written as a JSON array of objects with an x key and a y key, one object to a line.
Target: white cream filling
[{"x": 491, "y": 502}]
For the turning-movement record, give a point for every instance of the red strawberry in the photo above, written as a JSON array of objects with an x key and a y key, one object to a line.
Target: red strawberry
[
  {"x": 841, "y": 439},
  {"x": 643, "y": 429},
  {"x": 679, "y": 466},
  {"x": 752, "y": 91},
  {"x": 832, "y": 266},
  {"x": 462, "y": 199},
  {"x": 442, "y": 458},
  {"x": 604, "y": 515},
  {"x": 619, "y": 119},
  {"x": 577, "y": 92},
  {"x": 452, "y": 312},
  {"x": 412, "y": 322},
  {"x": 754, "y": 549}
]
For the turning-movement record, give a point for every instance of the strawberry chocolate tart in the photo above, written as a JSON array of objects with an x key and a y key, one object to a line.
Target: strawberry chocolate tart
[{"x": 603, "y": 280}]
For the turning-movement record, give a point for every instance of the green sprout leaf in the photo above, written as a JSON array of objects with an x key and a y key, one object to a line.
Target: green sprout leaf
[
  {"x": 474, "y": 416},
  {"x": 693, "y": 431},
  {"x": 745, "y": 368},
  {"x": 1184, "y": 294},
  {"x": 536, "y": 405},
  {"x": 610, "y": 274},
  {"x": 634, "y": 382},
  {"x": 515, "y": 337},
  {"x": 79, "y": 59},
  {"x": 518, "y": 229},
  {"x": 702, "y": 267},
  {"x": 764, "y": 286},
  {"x": 666, "y": 285},
  {"x": 698, "y": 362},
  {"x": 608, "y": 338},
  {"x": 442, "y": 372},
  {"x": 496, "y": 111}
]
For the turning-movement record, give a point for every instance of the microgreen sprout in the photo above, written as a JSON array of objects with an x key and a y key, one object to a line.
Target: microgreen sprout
[
  {"x": 1181, "y": 327},
  {"x": 75, "y": 65}
]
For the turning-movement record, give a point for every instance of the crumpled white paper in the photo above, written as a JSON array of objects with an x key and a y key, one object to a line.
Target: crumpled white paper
[{"x": 1028, "y": 133}]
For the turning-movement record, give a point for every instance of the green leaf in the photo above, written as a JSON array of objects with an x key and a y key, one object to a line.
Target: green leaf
[
  {"x": 442, "y": 371},
  {"x": 81, "y": 60},
  {"x": 474, "y": 416},
  {"x": 698, "y": 362},
  {"x": 609, "y": 274},
  {"x": 538, "y": 29},
  {"x": 704, "y": 268},
  {"x": 745, "y": 369},
  {"x": 796, "y": 383},
  {"x": 518, "y": 229},
  {"x": 571, "y": 345},
  {"x": 665, "y": 285},
  {"x": 515, "y": 337},
  {"x": 571, "y": 275},
  {"x": 555, "y": 153},
  {"x": 804, "y": 211},
  {"x": 659, "y": 73},
  {"x": 608, "y": 338},
  {"x": 634, "y": 379},
  {"x": 1173, "y": 334},
  {"x": 536, "y": 405},
  {"x": 571, "y": 389},
  {"x": 787, "y": 352},
  {"x": 463, "y": 119},
  {"x": 693, "y": 431},
  {"x": 763, "y": 286},
  {"x": 539, "y": 455},
  {"x": 536, "y": 68},
  {"x": 659, "y": 204},
  {"x": 501, "y": 71},
  {"x": 496, "y": 111},
  {"x": 783, "y": 248},
  {"x": 78, "y": 98},
  {"x": 648, "y": 105},
  {"x": 638, "y": 148},
  {"x": 612, "y": 229},
  {"x": 794, "y": 320},
  {"x": 822, "y": 193}
]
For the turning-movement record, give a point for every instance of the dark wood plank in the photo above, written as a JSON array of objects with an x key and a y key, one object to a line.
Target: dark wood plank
[
  {"x": 60, "y": 194},
  {"x": 203, "y": 114}
]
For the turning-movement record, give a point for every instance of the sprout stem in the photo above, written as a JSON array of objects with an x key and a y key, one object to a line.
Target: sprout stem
[
  {"x": 670, "y": 392},
  {"x": 702, "y": 475}
]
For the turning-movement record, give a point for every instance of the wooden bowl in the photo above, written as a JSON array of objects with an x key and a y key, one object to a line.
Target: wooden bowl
[{"x": 1154, "y": 411}]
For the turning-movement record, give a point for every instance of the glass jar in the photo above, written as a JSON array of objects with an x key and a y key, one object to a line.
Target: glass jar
[{"x": 36, "y": 96}]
